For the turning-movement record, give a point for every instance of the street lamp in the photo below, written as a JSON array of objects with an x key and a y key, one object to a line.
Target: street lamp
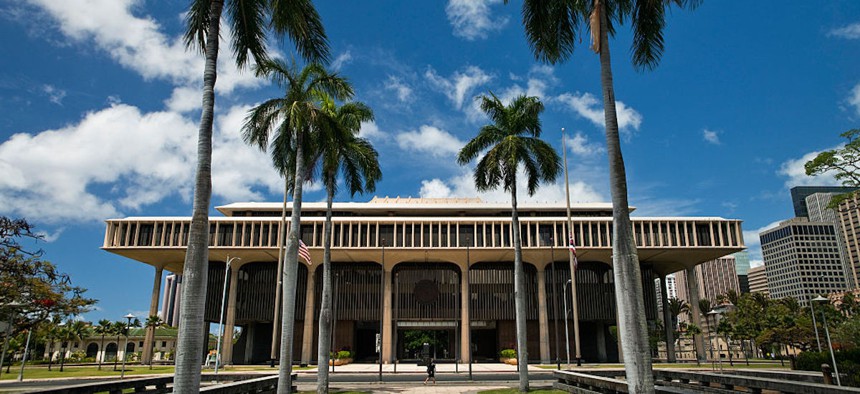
[
  {"x": 221, "y": 319},
  {"x": 827, "y": 334},
  {"x": 814, "y": 324},
  {"x": 566, "y": 333},
  {"x": 125, "y": 350}
]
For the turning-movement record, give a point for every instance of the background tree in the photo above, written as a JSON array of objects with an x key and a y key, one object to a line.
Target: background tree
[
  {"x": 103, "y": 328},
  {"x": 340, "y": 151},
  {"x": 250, "y": 21},
  {"x": 551, "y": 29},
  {"x": 154, "y": 322},
  {"x": 292, "y": 121},
  {"x": 511, "y": 141},
  {"x": 72, "y": 331}
]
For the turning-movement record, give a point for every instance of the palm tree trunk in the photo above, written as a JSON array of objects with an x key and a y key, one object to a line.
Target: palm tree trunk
[
  {"x": 282, "y": 240},
  {"x": 519, "y": 296},
  {"x": 116, "y": 356},
  {"x": 290, "y": 274},
  {"x": 632, "y": 329},
  {"x": 324, "y": 346},
  {"x": 189, "y": 344},
  {"x": 102, "y": 358}
]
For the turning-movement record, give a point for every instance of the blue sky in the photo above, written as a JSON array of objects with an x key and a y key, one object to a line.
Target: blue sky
[{"x": 100, "y": 105}]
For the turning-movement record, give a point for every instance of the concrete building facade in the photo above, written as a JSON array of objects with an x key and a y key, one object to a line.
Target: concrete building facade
[
  {"x": 758, "y": 280},
  {"x": 440, "y": 266},
  {"x": 802, "y": 260}
]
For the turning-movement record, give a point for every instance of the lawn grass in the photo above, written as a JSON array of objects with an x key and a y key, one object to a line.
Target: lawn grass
[{"x": 41, "y": 372}]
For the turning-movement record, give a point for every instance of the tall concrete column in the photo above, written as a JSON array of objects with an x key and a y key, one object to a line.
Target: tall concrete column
[
  {"x": 465, "y": 322},
  {"x": 387, "y": 342},
  {"x": 693, "y": 290},
  {"x": 230, "y": 321},
  {"x": 308, "y": 332},
  {"x": 153, "y": 310},
  {"x": 543, "y": 321},
  {"x": 667, "y": 321}
]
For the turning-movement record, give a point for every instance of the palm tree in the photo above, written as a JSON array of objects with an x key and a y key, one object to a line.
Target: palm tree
[
  {"x": 103, "y": 328},
  {"x": 250, "y": 21},
  {"x": 53, "y": 332},
  {"x": 72, "y": 331},
  {"x": 340, "y": 151},
  {"x": 119, "y": 328},
  {"x": 290, "y": 120},
  {"x": 153, "y": 322},
  {"x": 551, "y": 27},
  {"x": 513, "y": 139}
]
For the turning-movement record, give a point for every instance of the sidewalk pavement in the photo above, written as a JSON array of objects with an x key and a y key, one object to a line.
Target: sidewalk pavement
[{"x": 415, "y": 368}]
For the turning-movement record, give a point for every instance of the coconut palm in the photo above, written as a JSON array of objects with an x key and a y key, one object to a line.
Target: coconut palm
[
  {"x": 284, "y": 125},
  {"x": 72, "y": 331},
  {"x": 551, "y": 28},
  {"x": 119, "y": 328},
  {"x": 340, "y": 151},
  {"x": 511, "y": 141},
  {"x": 103, "y": 328},
  {"x": 249, "y": 22},
  {"x": 153, "y": 322}
]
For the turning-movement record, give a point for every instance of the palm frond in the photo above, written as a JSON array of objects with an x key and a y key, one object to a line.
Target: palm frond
[
  {"x": 648, "y": 24},
  {"x": 248, "y": 19},
  {"x": 300, "y": 21},
  {"x": 197, "y": 25},
  {"x": 551, "y": 28}
]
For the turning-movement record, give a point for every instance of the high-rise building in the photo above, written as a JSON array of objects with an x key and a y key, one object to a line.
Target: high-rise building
[
  {"x": 742, "y": 267},
  {"x": 715, "y": 277},
  {"x": 170, "y": 299},
  {"x": 799, "y": 194},
  {"x": 758, "y": 280},
  {"x": 848, "y": 213},
  {"x": 817, "y": 206},
  {"x": 802, "y": 260}
]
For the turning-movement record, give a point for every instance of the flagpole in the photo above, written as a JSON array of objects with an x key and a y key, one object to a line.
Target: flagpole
[{"x": 571, "y": 254}]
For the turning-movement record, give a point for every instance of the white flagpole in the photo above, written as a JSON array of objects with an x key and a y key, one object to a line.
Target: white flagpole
[{"x": 570, "y": 254}]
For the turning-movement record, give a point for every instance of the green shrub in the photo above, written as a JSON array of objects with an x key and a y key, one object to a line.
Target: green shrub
[
  {"x": 847, "y": 360},
  {"x": 343, "y": 354},
  {"x": 508, "y": 353}
]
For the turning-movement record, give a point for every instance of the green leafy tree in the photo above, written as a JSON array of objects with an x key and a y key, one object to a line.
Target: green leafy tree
[
  {"x": 103, "y": 328},
  {"x": 153, "y": 322},
  {"x": 842, "y": 162},
  {"x": 250, "y": 21},
  {"x": 340, "y": 151},
  {"x": 551, "y": 28},
  {"x": 286, "y": 126},
  {"x": 510, "y": 141}
]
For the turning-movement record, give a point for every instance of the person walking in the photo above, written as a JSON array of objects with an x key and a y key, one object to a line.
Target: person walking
[{"x": 431, "y": 371}]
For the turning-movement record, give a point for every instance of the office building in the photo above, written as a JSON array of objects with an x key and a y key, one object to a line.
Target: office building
[
  {"x": 439, "y": 266},
  {"x": 758, "y": 280}
]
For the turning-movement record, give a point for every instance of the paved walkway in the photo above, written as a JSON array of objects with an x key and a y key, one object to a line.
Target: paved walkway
[{"x": 415, "y": 368}]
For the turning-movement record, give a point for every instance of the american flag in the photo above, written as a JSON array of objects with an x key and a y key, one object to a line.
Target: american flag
[
  {"x": 304, "y": 252},
  {"x": 573, "y": 250}
]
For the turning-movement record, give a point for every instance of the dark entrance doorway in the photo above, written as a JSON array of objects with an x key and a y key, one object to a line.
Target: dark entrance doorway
[
  {"x": 411, "y": 341},
  {"x": 485, "y": 346},
  {"x": 365, "y": 342}
]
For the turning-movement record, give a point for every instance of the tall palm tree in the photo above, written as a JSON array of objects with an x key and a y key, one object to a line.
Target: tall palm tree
[
  {"x": 250, "y": 21},
  {"x": 119, "y": 328},
  {"x": 551, "y": 27},
  {"x": 103, "y": 328},
  {"x": 72, "y": 331},
  {"x": 284, "y": 125},
  {"x": 339, "y": 150},
  {"x": 512, "y": 140},
  {"x": 153, "y": 322}
]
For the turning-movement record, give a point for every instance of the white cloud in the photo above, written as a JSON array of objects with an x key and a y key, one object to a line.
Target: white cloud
[
  {"x": 588, "y": 107},
  {"x": 371, "y": 131},
  {"x": 796, "y": 173},
  {"x": 459, "y": 86},
  {"x": 400, "y": 88},
  {"x": 463, "y": 185},
  {"x": 851, "y": 32},
  {"x": 55, "y": 95},
  {"x": 430, "y": 140},
  {"x": 120, "y": 159},
  {"x": 185, "y": 99},
  {"x": 471, "y": 19},
  {"x": 342, "y": 59},
  {"x": 854, "y": 98},
  {"x": 580, "y": 145},
  {"x": 138, "y": 44},
  {"x": 711, "y": 137}
]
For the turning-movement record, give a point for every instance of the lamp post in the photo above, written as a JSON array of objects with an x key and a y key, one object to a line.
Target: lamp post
[
  {"x": 814, "y": 324},
  {"x": 554, "y": 304},
  {"x": 221, "y": 319},
  {"x": 125, "y": 350},
  {"x": 566, "y": 333},
  {"x": 827, "y": 334},
  {"x": 24, "y": 360}
]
